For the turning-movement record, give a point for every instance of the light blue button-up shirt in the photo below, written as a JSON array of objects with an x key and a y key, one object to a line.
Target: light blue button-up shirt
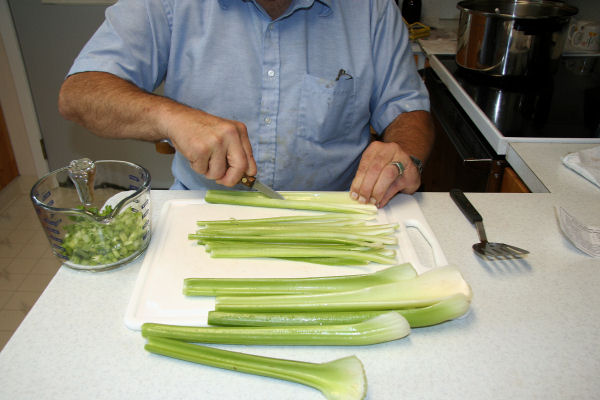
[{"x": 308, "y": 121}]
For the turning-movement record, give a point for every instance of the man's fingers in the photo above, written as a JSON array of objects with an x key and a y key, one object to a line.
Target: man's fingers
[
  {"x": 247, "y": 147},
  {"x": 358, "y": 188},
  {"x": 378, "y": 179},
  {"x": 217, "y": 148},
  {"x": 236, "y": 163},
  {"x": 389, "y": 178},
  {"x": 375, "y": 172}
]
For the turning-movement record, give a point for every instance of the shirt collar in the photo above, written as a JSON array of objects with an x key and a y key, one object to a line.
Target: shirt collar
[{"x": 296, "y": 4}]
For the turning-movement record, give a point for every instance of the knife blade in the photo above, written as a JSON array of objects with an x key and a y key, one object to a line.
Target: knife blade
[{"x": 255, "y": 184}]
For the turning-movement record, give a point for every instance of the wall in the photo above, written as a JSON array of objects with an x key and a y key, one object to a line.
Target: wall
[
  {"x": 50, "y": 37},
  {"x": 17, "y": 104}
]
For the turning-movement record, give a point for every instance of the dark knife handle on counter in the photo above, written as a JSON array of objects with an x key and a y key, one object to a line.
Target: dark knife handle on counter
[{"x": 465, "y": 206}]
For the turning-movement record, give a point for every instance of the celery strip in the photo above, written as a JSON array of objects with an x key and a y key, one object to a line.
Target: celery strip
[
  {"x": 342, "y": 379},
  {"x": 292, "y": 201},
  {"x": 382, "y": 328},
  {"x": 272, "y": 286},
  {"x": 424, "y": 290},
  {"x": 294, "y": 251},
  {"x": 332, "y": 261},
  {"x": 445, "y": 310},
  {"x": 296, "y": 237},
  {"x": 330, "y": 218}
]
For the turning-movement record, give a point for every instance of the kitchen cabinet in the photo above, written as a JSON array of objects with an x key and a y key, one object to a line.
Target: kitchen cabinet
[
  {"x": 512, "y": 183},
  {"x": 8, "y": 164}
]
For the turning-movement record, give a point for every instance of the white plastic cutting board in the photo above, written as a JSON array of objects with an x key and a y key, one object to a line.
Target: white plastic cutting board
[{"x": 171, "y": 257}]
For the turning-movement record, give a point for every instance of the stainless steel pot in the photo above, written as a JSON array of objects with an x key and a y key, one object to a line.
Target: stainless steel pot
[{"x": 512, "y": 37}]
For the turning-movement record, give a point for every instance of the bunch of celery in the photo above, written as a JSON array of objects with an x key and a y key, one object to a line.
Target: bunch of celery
[
  {"x": 333, "y": 239},
  {"x": 341, "y": 310},
  {"x": 338, "y": 202},
  {"x": 438, "y": 295}
]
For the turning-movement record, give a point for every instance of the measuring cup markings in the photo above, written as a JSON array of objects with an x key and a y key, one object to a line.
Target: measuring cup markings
[
  {"x": 52, "y": 230},
  {"x": 61, "y": 255},
  {"x": 134, "y": 178},
  {"x": 132, "y": 187},
  {"x": 53, "y": 222},
  {"x": 145, "y": 203},
  {"x": 56, "y": 239},
  {"x": 58, "y": 247},
  {"x": 46, "y": 195}
]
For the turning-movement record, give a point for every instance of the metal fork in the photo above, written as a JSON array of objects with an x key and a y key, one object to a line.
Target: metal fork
[{"x": 484, "y": 249}]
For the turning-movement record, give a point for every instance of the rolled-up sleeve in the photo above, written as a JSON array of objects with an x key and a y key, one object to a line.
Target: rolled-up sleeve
[
  {"x": 398, "y": 87},
  {"x": 132, "y": 43}
]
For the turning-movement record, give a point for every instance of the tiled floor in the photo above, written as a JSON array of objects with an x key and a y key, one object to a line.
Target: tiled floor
[{"x": 26, "y": 261}]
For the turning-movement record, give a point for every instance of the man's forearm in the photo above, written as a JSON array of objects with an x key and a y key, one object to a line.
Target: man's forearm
[
  {"x": 112, "y": 107},
  {"x": 414, "y": 132}
]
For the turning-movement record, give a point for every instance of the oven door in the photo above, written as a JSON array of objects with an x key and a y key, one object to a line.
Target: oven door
[{"x": 461, "y": 157}]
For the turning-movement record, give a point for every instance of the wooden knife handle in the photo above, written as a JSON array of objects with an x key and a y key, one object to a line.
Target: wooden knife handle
[
  {"x": 248, "y": 180},
  {"x": 164, "y": 147}
]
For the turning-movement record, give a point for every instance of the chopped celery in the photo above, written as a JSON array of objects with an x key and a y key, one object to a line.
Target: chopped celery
[
  {"x": 272, "y": 286},
  {"x": 89, "y": 242},
  {"x": 381, "y": 328},
  {"x": 315, "y": 201},
  {"x": 424, "y": 290},
  {"x": 445, "y": 310},
  {"x": 342, "y": 379}
]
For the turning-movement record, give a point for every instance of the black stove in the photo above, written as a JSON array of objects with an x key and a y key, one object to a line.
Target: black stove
[{"x": 563, "y": 105}]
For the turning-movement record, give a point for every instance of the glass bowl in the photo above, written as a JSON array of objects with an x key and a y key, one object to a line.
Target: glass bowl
[{"x": 99, "y": 223}]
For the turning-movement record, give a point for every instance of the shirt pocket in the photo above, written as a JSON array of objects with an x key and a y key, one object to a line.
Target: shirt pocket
[{"x": 327, "y": 108}]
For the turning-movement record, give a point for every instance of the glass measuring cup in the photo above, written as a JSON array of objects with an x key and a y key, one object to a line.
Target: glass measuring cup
[{"x": 96, "y": 215}]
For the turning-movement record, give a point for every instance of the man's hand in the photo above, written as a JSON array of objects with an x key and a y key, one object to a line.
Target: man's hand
[
  {"x": 112, "y": 107},
  {"x": 377, "y": 180},
  {"x": 215, "y": 147}
]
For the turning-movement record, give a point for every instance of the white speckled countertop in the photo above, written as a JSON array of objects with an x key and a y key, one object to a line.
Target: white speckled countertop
[{"x": 531, "y": 333}]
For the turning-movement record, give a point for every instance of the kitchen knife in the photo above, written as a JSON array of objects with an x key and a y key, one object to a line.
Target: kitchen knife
[{"x": 255, "y": 184}]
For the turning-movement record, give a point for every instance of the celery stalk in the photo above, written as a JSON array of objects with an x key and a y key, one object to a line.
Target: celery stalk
[
  {"x": 342, "y": 379},
  {"x": 298, "y": 252},
  {"x": 445, "y": 310},
  {"x": 424, "y": 290},
  {"x": 330, "y": 202},
  {"x": 382, "y": 328},
  {"x": 329, "y": 218},
  {"x": 272, "y": 286}
]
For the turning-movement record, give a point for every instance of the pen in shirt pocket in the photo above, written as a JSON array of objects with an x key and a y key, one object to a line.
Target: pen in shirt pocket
[{"x": 343, "y": 73}]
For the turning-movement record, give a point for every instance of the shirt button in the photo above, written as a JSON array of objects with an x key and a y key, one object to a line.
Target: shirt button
[
  {"x": 271, "y": 73},
  {"x": 267, "y": 120}
]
